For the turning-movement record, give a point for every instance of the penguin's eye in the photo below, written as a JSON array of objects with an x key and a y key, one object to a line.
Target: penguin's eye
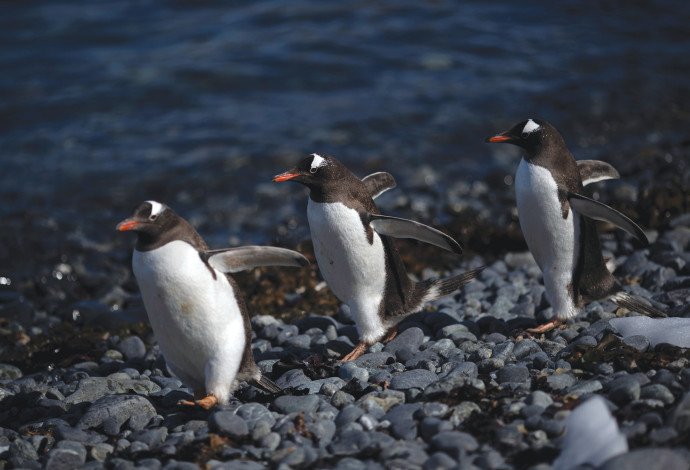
[
  {"x": 153, "y": 217},
  {"x": 313, "y": 170}
]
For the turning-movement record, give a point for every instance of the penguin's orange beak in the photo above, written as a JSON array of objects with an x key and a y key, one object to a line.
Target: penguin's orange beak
[
  {"x": 284, "y": 176},
  {"x": 498, "y": 138},
  {"x": 128, "y": 224}
]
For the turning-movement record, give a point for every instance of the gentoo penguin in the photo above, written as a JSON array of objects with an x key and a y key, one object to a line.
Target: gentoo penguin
[
  {"x": 355, "y": 255},
  {"x": 197, "y": 312},
  {"x": 556, "y": 220}
]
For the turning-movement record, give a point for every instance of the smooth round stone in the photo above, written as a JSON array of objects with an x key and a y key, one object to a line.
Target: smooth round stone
[
  {"x": 9, "y": 372},
  {"x": 252, "y": 413},
  {"x": 559, "y": 382},
  {"x": 657, "y": 392},
  {"x": 298, "y": 341},
  {"x": 454, "y": 443},
  {"x": 348, "y": 414},
  {"x": 132, "y": 348},
  {"x": 416, "y": 378},
  {"x": 512, "y": 373},
  {"x": 228, "y": 423},
  {"x": 539, "y": 398},
  {"x": 623, "y": 390},
  {"x": 412, "y": 337},
  {"x": 292, "y": 378},
  {"x": 289, "y": 404},
  {"x": 350, "y": 370},
  {"x": 340, "y": 399},
  {"x": 439, "y": 461},
  {"x": 429, "y": 427},
  {"x": 491, "y": 364}
]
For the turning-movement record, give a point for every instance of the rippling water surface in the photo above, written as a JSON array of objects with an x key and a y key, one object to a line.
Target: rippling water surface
[{"x": 106, "y": 103}]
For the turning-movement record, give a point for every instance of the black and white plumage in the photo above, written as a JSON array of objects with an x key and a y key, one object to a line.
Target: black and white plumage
[
  {"x": 197, "y": 312},
  {"x": 556, "y": 220},
  {"x": 355, "y": 253}
]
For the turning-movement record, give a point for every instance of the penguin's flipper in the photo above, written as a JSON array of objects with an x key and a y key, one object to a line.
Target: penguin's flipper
[
  {"x": 403, "y": 228},
  {"x": 378, "y": 183},
  {"x": 266, "y": 384},
  {"x": 599, "y": 211},
  {"x": 636, "y": 304},
  {"x": 232, "y": 260},
  {"x": 592, "y": 171}
]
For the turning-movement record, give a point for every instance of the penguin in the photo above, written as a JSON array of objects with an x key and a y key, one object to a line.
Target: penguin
[
  {"x": 557, "y": 221},
  {"x": 196, "y": 309},
  {"x": 355, "y": 253}
]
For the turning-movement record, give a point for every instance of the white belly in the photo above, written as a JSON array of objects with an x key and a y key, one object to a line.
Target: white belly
[
  {"x": 551, "y": 238},
  {"x": 354, "y": 269},
  {"x": 195, "y": 318}
]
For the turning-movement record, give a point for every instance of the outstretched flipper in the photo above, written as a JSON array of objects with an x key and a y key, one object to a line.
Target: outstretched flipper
[
  {"x": 403, "y": 228},
  {"x": 636, "y": 304},
  {"x": 266, "y": 384},
  {"x": 378, "y": 183},
  {"x": 599, "y": 211},
  {"x": 592, "y": 171},
  {"x": 232, "y": 260}
]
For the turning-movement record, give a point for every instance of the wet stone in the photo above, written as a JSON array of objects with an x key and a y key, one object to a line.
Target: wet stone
[
  {"x": 559, "y": 382},
  {"x": 657, "y": 392},
  {"x": 289, "y": 404},
  {"x": 512, "y": 373},
  {"x": 623, "y": 390},
  {"x": 252, "y": 413},
  {"x": 417, "y": 378},
  {"x": 411, "y": 337},
  {"x": 132, "y": 348},
  {"x": 228, "y": 423},
  {"x": 454, "y": 443}
]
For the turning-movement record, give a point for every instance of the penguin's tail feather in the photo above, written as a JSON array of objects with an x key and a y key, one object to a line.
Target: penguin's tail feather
[
  {"x": 436, "y": 288},
  {"x": 636, "y": 304},
  {"x": 266, "y": 384}
]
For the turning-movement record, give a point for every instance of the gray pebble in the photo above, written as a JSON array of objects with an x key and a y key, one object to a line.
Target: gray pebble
[
  {"x": 132, "y": 348},
  {"x": 411, "y": 337},
  {"x": 350, "y": 370},
  {"x": 559, "y": 382},
  {"x": 512, "y": 373},
  {"x": 417, "y": 378},
  {"x": 252, "y": 413},
  {"x": 454, "y": 443},
  {"x": 228, "y": 423},
  {"x": 289, "y": 404},
  {"x": 624, "y": 389}
]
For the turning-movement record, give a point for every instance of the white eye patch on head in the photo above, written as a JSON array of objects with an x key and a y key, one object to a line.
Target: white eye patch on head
[
  {"x": 530, "y": 127},
  {"x": 156, "y": 207},
  {"x": 317, "y": 162}
]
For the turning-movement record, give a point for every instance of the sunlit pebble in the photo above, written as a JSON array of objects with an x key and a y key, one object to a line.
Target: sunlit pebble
[
  {"x": 57, "y": 275},
  {"x": 5, "y": 281},
  {"x": 76, "y": 315}
]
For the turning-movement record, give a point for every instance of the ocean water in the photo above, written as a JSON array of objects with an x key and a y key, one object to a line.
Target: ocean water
[{"x": 104, "y": 104}]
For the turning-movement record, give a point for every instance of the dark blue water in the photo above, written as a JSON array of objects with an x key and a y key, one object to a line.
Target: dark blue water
[{"x": 197, "y": 104}]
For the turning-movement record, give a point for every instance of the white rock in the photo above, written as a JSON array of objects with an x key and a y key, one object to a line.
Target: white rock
[
  {"x": 591, "y": 436},
  {"x": 675, "y": 331}
]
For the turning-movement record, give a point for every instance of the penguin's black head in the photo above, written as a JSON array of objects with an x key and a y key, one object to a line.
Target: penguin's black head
[
  {"x": 313, "y": 171},
  {"x": 149, "y": 219},
  {"x": 528, "y": 134}
]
